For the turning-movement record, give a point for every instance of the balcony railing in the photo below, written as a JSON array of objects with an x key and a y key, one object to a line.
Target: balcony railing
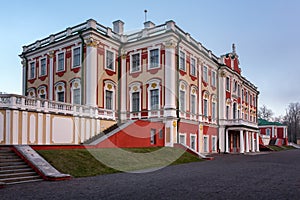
[
  {"x": 238, "y": 122},
  {"x": 19, "y": 102}
]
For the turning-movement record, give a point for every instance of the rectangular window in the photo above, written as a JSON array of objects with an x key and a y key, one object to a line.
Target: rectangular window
[
  {"x": 205, "y": 74},
  {"x": 76, "y": 57},
  {"x": 110, "y": 60},
  {"x": 227, "y": 84},
  {"x": 43, "y": 66},
  {"x": 242, "y": 95},
  {"x": 182, "y": 60},
  {"x": 205, "y": 144},
  {"x": 61, "y": 62},
  {"x": 152, "y": 136},
  {"x": 214, "y": 144},
  {"x": 182, "y": 139},
  {"x": 268, "y": 132},
  {"x": 76, "y": 96},
  {"x": 160, "y": 134},
  {"x": 227, "y": 112},
  {"x": 213, "y": 111},
  {"x": 61, "y": 96},
  {"x": 154, "y": 99},
  {"x": 135, "y": 102},
  {"x": 182, "y": 100},
  {"x": 193, "y": 67},
  {"x": 205, "y": 108},
  {"x": 154, "y": 58},
  {"x": 239, "y": 91},
  {"x": 193, "y": 142},
  {"x": 193, "y": 104},
  {"x": 32, "y": 70},
  {"x": 135, "y": 62},
  {"x": 108, "y": 100},
  {"x": 213, "y": 78}
]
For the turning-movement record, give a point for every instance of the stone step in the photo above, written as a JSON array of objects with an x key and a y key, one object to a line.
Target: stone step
[
  {"x": 16, "y": 180},
  {"x": 13, "y": 167},
  {"x": 18, "y": 170},
  {"x": 20, "y": 175},
  {"x": 25, "y": 181},
  {"x": 10, "y": 160},
  {"x": 5, "y": 164}
]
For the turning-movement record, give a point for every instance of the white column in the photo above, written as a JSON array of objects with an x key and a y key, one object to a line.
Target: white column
[
  {"x": 257, "y": 142},
  {"x": 51, "y": 75},
  {"x": 247, "y": 141},
  {"x": 24, "y": 77},
  {"x": 170, "y": 80},
  {"x": 252, "y": 142},
  {"x": 226, "y": 142},
  {"x": 242, "y": 147},
  {"x": 222, "y": 139},
  {"x": 91, "y": 73},
  {"x": 123, "y": 82}
]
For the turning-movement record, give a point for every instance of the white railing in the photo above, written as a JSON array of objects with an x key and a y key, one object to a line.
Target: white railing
[
  {"x": 237, "y": 122},
  {"x": 13, "y": 101}
]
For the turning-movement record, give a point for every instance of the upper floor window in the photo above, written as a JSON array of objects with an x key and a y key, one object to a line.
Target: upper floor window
[
  {"x": 227, "y": 112},
  {"x": 60, "y": 62},
  {"x": 154, "y": 103},
  {"x": 43, "y": 66},
  {"x": 205, "y": 107},
  {"x": 193, "y": 104},
  {"x": 32, "y": 70},
  {"x": 182, "y": 60},
  {"x": 242, "y": 95},
  {"x": 76, "y": 96},
  {"x": 182, "y": 100},
  {"x": 135, "y": 102},
  {"x": 235, "y": 86},
  {"x": 205, "y": 74},
  {"x": 135, "y": 62},
  {"x": 154, "y": 58},
  {"x": 239, "y": 90},
  {"x": 76, "y": 57},
  {"x": 246, "y": 97},
  {"x": 108, "y": 99},
  {"x": 227, "y": 83},
  {"x": 213, "y": 78},
  {"x": 193, "y": 66},
  {"x": 213, "y": 110},
  {"x": 60, "y": 92},
  {"x": 110, "y": 58}
]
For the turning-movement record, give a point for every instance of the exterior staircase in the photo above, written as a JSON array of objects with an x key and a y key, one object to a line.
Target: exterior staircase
[{"x": 14, "y": 170}]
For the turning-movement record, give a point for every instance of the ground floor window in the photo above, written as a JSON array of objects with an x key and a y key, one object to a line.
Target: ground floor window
[
  {"x": 193, "y": 142},
  {"x": 182, "y": 139},
  {"x": 152, "y": 136},
  {"x": 214, "y": 143},
  {"x": 205, "y": 144}
]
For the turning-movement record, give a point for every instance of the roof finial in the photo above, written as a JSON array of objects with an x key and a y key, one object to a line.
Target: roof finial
[
  {"x": 145, "y": 15},
  {"x": 233, "y": 49}
]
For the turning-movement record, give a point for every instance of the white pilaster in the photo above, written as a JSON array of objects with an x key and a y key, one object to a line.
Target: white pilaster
[
  {"x": 7, "y": 126},
  {"x": 226, "y": 142},
  {"x": 170, "y": 80},
  {"x": 123, "y": 82},
  {"x": 242, "y": 147},
  {"x": 257, "y": 142},
  {"x": 24, "y": 78},
  {"x": 15, "y": 127},
  {"x": 91, "y": 72},
  {"x": 252, "y": 142},
  {"x": 51, "y": 75},
  {"x": 222, "y": 139},
  {"x": 247, "y": 142},
  {"x": 40, "y": 122},
  {"x": 48, "y": 124}
]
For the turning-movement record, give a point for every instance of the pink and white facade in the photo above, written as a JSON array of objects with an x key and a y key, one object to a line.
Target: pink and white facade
[{"x": 159, "y": 74}]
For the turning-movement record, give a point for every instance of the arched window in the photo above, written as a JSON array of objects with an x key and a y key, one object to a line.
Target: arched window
[
  {"x": 76, "y": 91},
  {"x": 205, "y": 104},
  {"x": 135, "y": 99},
  {"x": 60, "y": 92},
  {"x": 109, "y": 95},
  {"x": 193, "y": 100},
  {"x": 154, "y": 96},
  {"x": 42, "y": 92}
]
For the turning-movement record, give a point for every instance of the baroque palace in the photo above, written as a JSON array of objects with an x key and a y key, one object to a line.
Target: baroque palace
[{"x": 159, "y": 85}]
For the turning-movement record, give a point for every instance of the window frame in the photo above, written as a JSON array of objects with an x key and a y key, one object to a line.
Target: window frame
[
  {"x": 131, "y": 62},
  {"x": 57, "y": 61},
  {"x": 32, "y": 73},
  {"x": 113, "y": 63},
  {"x": 213, "y": 78},
  {"x": 205, "y": 74},
  {"x": 227, "y": 84},
  {"x": 205, "y": 144},
  {"x": 150, "y": 65},
  {"x": 57, "y": 85},
  {"x": 75, "y": 65},
  {"x": 153, "y": 136},
  {"x": 195, "y": 141},
  {"x": 40, "y": 66},
  {"x": 193, "y": 67},
  {"x": 182, "y": 60},
  {"x": 182, "y": 135}
]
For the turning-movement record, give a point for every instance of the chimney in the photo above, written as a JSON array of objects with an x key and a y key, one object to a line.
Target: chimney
[
  {"x": 149, "y": 24},
  {"x": 118, "y": 27}
]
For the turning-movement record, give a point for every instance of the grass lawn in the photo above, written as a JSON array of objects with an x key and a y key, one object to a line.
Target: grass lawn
[
  {"x": 280, "y": 148},
  {"x": 91, "y": 162}
]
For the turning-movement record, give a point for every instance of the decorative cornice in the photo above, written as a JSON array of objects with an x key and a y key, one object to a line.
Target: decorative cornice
[
  {"x": 91, "y": 42},
  {"x": 170, "y": 44},
  {"x": 51, "y": 53}
]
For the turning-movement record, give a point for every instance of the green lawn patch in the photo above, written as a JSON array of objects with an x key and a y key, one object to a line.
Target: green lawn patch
[
  {"x": 91, "y": 162},
  {"x": 280, "y": 148}
]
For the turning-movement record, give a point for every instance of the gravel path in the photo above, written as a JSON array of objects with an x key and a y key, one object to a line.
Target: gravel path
[{"x": 265, "y": 176}]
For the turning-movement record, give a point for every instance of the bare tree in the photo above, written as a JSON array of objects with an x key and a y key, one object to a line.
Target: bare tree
[
  {"x": 265, "y": 113},
  {"x": 292, "y": 120}
]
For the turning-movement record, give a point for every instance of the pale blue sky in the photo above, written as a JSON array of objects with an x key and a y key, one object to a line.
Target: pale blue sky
[{"x": 266, "y": 34}]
